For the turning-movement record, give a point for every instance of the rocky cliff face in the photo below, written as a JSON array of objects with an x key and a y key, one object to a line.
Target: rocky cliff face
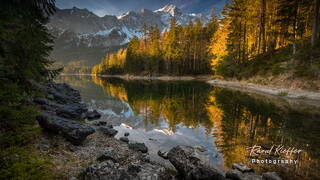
[{"x": 78, "y": 31}]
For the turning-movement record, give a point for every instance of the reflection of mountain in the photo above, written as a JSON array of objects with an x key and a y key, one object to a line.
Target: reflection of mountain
[
  {"x": 82, "y": 35},
  {"x": 235, "y": 120}
]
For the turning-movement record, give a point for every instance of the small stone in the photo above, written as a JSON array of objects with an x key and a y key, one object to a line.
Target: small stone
[
  {"x": 241, "y": 167},
  {"x": 40, "y": 101},
  {"x": 109, "y": 131},
  {"x": 163, "y": 154},
  {"x": 124, "y": 139},
  {"x": 134, "y": 169},
  {"x": 138, "y": 147},
  {"x": 50, "y": 97},
  {"x": 92, "y": 115},
  {"x": 144, "y": 157},
  {"x": 72, "y": 148},
  {"x": 109, "y": 154},
  {"x": 251, "y": 176},
  {"x": 126, "y": 134},
  {"x": 234, "y": 174},
  {"x": 99, "y": 123},
  {"x": 201, "y": 148},
  {"x": 270, "y": 176},
  {"x": 110, "y": 126}
]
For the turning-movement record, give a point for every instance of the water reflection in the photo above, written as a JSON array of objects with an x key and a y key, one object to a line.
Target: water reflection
[{"x": 224, "y": 121}]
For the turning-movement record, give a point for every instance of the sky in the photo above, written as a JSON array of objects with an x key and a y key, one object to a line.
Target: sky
[{"x": 118, "y": 7}]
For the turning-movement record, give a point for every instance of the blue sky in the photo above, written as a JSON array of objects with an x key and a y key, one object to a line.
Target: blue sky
[{"x": 117, "y": 7}]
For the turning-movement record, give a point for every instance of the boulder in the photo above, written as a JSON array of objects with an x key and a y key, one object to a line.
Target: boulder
[
  {"x": 109, "y": 154},
  {"x": 124, "y": 139},
  {"x": 62, "y": 93},
  {"x": 270, "y": 176},
  {"x": 191, "y": 164},
  {"x": 138, "y": 147},
  {"x": 90, "y": 115},
  {"x": 73, "y": 111},
  {"x": 73, "y": 131},
  {"x": 108, "y": 131}
]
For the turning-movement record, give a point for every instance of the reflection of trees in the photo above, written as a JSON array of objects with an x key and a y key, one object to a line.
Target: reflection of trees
[
  {"x": 247, "y": 121},
  {"x": 176, "y": 102},
  {"x": 117, "y": 91},
  {"x": 239, "y": 120}
]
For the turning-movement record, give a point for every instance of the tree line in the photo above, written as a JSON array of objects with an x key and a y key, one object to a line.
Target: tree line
[
  {"x": 251, "y": 28},
  {"x": 181, "y": 50},
  {"x": 252, "y": 36}
]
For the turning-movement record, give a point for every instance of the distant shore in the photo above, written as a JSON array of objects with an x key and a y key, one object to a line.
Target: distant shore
[{"x": 249, "y": 87}]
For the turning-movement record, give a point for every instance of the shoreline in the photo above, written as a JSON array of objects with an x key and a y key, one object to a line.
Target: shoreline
[
  {"x": 303, "y": 95},
  {"x": 284, "y": 93},
  {"x": 162, "y": 78}
]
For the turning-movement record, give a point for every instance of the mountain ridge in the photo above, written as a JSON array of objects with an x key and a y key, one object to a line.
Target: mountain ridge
[{"x": 77, "y": 28}]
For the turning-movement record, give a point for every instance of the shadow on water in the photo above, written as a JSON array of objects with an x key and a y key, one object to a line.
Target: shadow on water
[{"x": 224, "y": 121}]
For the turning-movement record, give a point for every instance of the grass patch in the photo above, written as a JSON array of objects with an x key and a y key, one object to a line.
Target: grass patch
[
  {"x": 24, "y": 163},
  {"x": 302, "y": 97},
  {"x": 283, "y": 93},
  {"x": 19, "y": 159}
]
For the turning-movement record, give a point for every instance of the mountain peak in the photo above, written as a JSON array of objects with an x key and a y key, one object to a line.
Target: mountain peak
[
  {"x": 127, "y": 14},
  {"x": 171, "y": 9}
]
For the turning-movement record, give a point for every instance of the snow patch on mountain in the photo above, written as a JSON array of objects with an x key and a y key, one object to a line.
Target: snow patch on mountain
[{"x": 83, "y": 28}]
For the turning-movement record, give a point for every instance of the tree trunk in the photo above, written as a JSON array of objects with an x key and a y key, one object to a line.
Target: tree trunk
[{"x": 315, "y": 28}]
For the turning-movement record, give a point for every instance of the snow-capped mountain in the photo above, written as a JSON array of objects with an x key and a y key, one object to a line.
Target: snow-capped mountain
[{"x": 79, "y": 28}]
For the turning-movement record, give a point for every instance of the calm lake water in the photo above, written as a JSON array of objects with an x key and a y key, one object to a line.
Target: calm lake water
[{"x": 226, "y": 122}]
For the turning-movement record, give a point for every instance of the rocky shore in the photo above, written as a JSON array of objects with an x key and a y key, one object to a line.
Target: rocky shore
[{"x": 84, "y": 147}]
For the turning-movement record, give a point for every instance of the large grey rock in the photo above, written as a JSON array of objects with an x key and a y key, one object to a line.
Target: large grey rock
[
  {"x": 191, "y": 164},
  {"x": 62, "y": 93},
  {"x": 73, "y": 131},
  {"x": 73, "y": 111},
  {"x": 270, "y": 176},
  {"x": 138, "y": 147}
]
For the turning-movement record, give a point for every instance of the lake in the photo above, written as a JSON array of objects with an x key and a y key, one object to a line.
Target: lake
[{"x": 164, "y": 114}]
